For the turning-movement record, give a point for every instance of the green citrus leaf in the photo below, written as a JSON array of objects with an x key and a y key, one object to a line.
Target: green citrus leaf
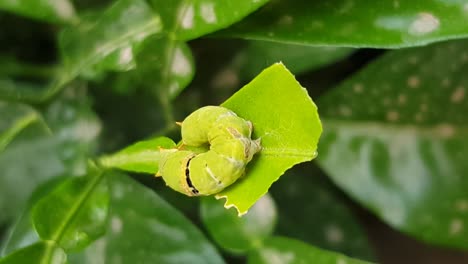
[
  {"x": 107, "y": 41},
  {"x": 111, "y": 41},
  {"x": 143, "y": 228},
  {"x": 298, "y": 58},
  {"x": 286, "y": 250},
  {"x": 312, "y": 211},
  {"x": 239, "y": 234},
  {"x": 165, "y": 65},
  {"x": 385, "y": 23},
  {"x": 285, "y": 119},
  {"x": 142, "y": 156},
  {"x": 396, "y": 140},
  {"x": 61, "y": 148},
  {"x": 55, "y": 11},
  {"x": 186, "y": 20},
  {"x": 22, "y": 233},
  {"x": 46, "y": 252},
  {"x": 101, "y": 42},
  {"x": 74, "y": 213}
]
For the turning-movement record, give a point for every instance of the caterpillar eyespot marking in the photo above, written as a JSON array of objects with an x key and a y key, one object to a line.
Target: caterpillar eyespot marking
[
  {"x": 193, "y": 190},
  {"x": 230, "y": 150}
]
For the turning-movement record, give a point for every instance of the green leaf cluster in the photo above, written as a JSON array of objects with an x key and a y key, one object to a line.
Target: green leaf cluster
[{"x": 90, "y": 92}]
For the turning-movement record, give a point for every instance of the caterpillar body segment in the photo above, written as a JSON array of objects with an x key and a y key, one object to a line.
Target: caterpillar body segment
[
  {"x": 172, "y": 168},
  {"x": 196, "y": 127},
  {"x": 230, "y": 149}
]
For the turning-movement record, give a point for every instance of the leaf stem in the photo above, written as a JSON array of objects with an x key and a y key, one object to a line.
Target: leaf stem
[
  {"x": 166, "y": 108},
  {"x": 164, "y": 93}
]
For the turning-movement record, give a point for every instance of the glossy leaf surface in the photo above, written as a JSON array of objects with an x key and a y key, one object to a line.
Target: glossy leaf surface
[
  {"x": 396, "y": 140},
  {"x": 286, "y": 250},
  {"x": 108, "y": 41},
  {"x": 385, "y": 23},
  {"x": 298, "y": 58},
  {"x": 165, "y": 65},
  {"x": 42, "y": 152},
  {"x": 98, "y": 42},
  {"x": 143, "y": 228},
  {"x": 311, "y": 210},
  {"x": 41, "y": 253},
  {"x": 239, "y": 234},
  {"x": 21, "y": 233},
  {"x": 286, "y": 120},
  {"x": 74, "y": 214},
  {"x": 187, "y": 20},
  {"x": 111, "y": 41},
  {"x": 56, "y": 11}
]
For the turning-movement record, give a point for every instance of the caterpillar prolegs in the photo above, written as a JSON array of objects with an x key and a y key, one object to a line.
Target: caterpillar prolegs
[{"x": 230, "y": 149}]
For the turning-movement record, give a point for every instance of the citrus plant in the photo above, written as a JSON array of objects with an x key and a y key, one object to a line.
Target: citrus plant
[{"x": 99, "y": 98}]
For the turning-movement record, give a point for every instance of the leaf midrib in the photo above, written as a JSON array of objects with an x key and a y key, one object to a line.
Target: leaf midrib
[
  {"x": 75, "y": 209},
  {"x": 23, "y": 122},
  {"x": 50, "y": 246},
  {"x": 288, "y": 152},
  {"x": 150, "y": 27}
]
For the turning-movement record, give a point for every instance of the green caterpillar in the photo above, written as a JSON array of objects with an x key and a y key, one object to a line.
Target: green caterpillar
[{"x": 230, "y": 149}]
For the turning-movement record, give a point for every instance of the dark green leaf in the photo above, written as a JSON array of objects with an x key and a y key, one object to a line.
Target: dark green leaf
[
  {"x": 239, "y": 234},
  {"x": 42, "y": 253},
  {"x": 286, "y": 250},
  {"x": 187, "y": 20},
  {"x": 298, "y": 58},
  {"x": 74, "y": 214},
  {"x": 50, "y": 11},
  {"x": 168, "y": 60},
  {"x": 165, "y": 65},
  {"x": 22, "y": 233},
  {"x": 142, "y": 156},
  {"x": 396, "y": 140},
  {"x": 107, "y": 41},
  {"x": 285, "y": 119},
  {"x": 143, "y": 228},
  {"x": 385, "y": 23},
  {"x": 101, "y": 42},
  {"x": 38, "y": 154},
  {"x": 311, "y": 210}
]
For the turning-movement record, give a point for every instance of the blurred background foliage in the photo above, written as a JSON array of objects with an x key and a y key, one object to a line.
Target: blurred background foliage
[{"x": 79, "y": 79}]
